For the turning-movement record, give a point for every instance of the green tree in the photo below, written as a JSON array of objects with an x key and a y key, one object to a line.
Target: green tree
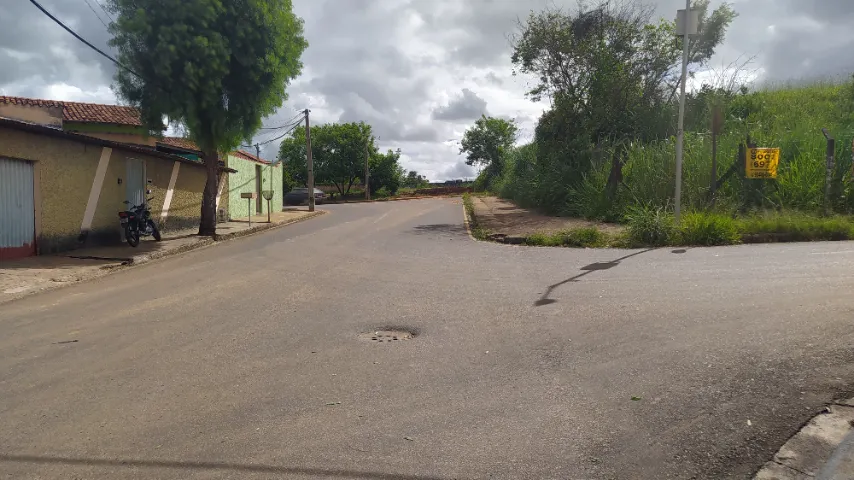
[
  {"x": 610, "y": 74},
  {"x": 214, "y": 66},
  {"x": 414, "y": 180},
  {"x": 386, "y": 171},
  {"x": 293, "y": 155},
  {"x": 338, "y": 153},
  {"x": 487, "y": 142}
]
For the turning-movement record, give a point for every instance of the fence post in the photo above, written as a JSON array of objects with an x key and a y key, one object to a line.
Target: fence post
[
  {"x": 829, "y": 164},
  {"x": 717, "y": 122}
]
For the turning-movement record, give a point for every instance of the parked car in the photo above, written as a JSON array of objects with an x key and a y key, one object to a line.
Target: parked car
[{"x": 298, "y": 196}]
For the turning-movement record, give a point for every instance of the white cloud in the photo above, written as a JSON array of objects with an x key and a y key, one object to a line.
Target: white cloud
[{"x": 393, "y": 63}]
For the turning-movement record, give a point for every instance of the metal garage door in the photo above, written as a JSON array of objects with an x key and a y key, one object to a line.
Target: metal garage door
[
  {"x": 17, "y": 209},
  {"x": 135, "y": 182}
]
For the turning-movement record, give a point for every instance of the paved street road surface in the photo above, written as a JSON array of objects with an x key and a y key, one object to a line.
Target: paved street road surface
[{"x": 247, "y": 359}]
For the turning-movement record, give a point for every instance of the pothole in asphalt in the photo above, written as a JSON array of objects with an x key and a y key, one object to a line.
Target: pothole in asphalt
[{"x": 389, "y": 335}]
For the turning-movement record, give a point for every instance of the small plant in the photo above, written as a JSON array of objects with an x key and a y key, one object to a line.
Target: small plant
[
  {"x": 477, "y": 231},
  {"x": 541, "y": 239},
  {"x": 708, "y": 229},
  {"x": 651, "y": 226},
  {"x": 588, "y": 237}
]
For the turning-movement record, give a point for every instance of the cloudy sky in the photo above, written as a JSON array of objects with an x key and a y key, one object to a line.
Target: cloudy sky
[{"x": 419, "y": 71}]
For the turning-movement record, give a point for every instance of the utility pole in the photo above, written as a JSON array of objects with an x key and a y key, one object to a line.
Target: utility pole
[
  {"x": 309, "y": 163},
  {"x": 258, "y": 156},
  {"x": 367, "y": 171},
  {"x": 688, "y": 27}
]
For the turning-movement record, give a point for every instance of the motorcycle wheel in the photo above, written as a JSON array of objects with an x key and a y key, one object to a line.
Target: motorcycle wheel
[
  {"x": 132, "y": 236},
  {"x": 154, "y": 231}
]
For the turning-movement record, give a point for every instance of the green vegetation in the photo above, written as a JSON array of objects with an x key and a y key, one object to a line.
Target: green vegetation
[
  {"x": 215, "y": 67},
  {"x": 415, "y": 181},
  {"x": 589, "y": 237},
  {"x": 606, "y": 148},
  {"x": 795, "y": 227},
  {"x": 477, "y": 231},
  {"x": 486, "y": 144}
]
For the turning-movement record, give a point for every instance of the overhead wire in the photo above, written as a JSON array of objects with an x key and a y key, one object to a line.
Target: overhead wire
[
  {"x": 78, "y": 37},
  {"x": 96, "y": 14},
  {"x": 106, "y": 12},
  {"x": 286, "y": 123}
]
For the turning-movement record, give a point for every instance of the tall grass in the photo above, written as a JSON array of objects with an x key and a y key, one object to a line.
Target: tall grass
[{"x": 789, "y": 117}]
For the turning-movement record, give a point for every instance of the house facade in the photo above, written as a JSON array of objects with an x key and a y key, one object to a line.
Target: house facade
[
  {"x": 66, "y": 168},
  {"x": 60, "y": 190},
  {"x": 253, "y": 175}
]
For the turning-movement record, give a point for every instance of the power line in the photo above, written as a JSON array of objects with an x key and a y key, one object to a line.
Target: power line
[
  {"x": 287, "y": 124},
  {"x": 294, "y": 127},
  {"x": 105, "y": 10},
  {"x": 277, "y": 129},
  {"x": 78, "y": 37},
  {"x": 96, "y": 14}
]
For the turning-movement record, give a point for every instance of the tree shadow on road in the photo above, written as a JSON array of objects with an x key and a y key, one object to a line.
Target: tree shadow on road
[
  {"x": 237, "y": 467},
  {"x": 586, "y": 270}
]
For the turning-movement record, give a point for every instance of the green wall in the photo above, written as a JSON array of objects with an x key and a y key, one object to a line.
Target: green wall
[{"x": 244, "y": 181}]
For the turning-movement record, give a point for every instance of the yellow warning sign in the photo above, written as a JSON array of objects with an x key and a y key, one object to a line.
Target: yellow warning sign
[{"x": 762, "y": 162}]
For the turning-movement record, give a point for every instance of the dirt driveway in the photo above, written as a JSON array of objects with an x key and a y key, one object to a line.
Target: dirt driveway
[{"x": 504, "y": 217}]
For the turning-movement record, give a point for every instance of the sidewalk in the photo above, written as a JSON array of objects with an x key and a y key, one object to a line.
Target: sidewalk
[
  {"x": 34, "y": 274},
  {"x": 822, "y": 449}
]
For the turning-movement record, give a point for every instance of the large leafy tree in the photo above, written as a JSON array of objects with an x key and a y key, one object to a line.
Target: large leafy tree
[
  {"x": 386, "y": 171},
  {"x": 610, "y": 72},
  {"x": 487, "y": 142},
  {"x": 338, "y": 153},
  {"x": 415, "y": 180},
  {"x": 214, "y": 66}
]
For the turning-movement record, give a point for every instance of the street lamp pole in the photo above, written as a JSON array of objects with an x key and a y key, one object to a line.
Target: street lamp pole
[{"x": 687, "y": 29}]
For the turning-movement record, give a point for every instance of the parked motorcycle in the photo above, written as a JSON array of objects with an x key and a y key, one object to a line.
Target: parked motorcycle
[{"x": 137, "y": 223}]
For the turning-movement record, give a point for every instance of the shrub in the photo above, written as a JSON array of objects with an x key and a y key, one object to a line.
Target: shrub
[
  {"x": 650, "y": 225},
  {"x": 708, "y": 229},
  {"x": 587, "y": 237}
]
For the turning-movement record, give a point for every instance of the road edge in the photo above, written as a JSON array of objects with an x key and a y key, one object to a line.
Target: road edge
[
  {"x": 819, "y": 450},
  {"x": 157, "y": 256},
  {"x": 466, "y": 220}
]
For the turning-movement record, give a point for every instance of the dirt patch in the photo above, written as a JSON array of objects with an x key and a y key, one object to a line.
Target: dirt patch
[{"x": 504, "y": 217}]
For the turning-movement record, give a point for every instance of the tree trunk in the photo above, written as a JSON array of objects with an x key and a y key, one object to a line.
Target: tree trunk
[
  {"x": 207, "y": 226},
  {"x": 616, "y": 176}
]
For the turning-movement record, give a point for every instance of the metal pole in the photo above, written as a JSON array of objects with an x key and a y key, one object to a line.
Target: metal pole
[
  {"x": 828, "y": 180},
  {"x": 367, "y": 172},
  {"x": 310, "y": 163},
  {"x": 717, "y": 123},
  {"x": 680, "y": 131}
]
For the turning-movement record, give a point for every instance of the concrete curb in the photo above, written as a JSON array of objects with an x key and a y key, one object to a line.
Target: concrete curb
[
  {"x": 466, "y": 221},
  {"x": 223, "y": 238},
  {"x": 822, "y": 449}
]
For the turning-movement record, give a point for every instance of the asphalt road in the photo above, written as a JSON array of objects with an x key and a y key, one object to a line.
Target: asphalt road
[{"x": 246, "y": 359}]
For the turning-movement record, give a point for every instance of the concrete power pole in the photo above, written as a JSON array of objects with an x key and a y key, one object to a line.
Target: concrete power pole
[
  {"x": 367, "y": 172},
  {"x": 309, "y": 163},
  {"x": 689, "y": 28}
]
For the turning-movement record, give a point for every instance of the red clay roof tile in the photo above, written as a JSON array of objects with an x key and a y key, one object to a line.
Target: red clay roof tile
[
  {"x": 84, "y": 112},
  {"x": 179, "y": 142}
]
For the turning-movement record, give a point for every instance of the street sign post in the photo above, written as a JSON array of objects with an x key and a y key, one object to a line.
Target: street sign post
[
  {"x": 268, "y": 195},
  {"x": 249, "y": 196}
]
